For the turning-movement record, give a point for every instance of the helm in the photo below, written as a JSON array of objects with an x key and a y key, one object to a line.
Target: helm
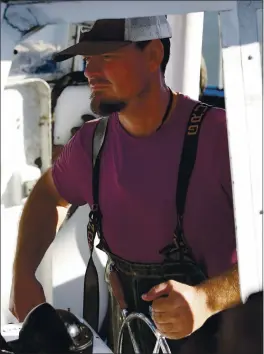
[{"x": 49, "y": 331}]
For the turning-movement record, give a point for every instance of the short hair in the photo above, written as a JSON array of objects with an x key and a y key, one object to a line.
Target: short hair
[{"x": 166, "y": 47}]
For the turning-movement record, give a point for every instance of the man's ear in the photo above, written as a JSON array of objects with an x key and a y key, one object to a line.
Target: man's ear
[{"x": 155, "y": 54}]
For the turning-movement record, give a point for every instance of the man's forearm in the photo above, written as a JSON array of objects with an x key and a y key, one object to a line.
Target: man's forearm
[
  {"x": 37, "y": 229},
  {"x": 222, "y": 292}
]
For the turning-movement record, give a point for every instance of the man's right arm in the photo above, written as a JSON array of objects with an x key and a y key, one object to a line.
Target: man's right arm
[
  {"x": 66, "y": 183},
  {"x": 37, "y": 230},
  {"x": 39, "y": 220},
  {"x": 38, "y": 224}
]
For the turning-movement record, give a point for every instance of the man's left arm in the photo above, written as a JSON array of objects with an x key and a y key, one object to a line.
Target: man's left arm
[
  {"x": 178, "y": 309},
  {"x": 221, "y": 292}
]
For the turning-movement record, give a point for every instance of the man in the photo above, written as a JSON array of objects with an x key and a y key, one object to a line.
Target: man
[{"x": 139, "y": 166}]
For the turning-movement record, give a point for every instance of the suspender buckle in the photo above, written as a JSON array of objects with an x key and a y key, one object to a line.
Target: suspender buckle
[
  {"x": 92, "y": 226},
  {"x": 94, "y": 214}
]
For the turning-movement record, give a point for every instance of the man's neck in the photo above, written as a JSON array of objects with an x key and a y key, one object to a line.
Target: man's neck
[{"x": 144, "y": 115}]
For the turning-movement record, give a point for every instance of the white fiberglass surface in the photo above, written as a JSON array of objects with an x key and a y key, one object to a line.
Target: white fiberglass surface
[{"x": 70, "y": 254}]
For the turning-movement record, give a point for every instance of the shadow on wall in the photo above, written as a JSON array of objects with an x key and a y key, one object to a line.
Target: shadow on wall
[
  {"x": 8, "y": 199},
  {"x": 70, "y": 289}
]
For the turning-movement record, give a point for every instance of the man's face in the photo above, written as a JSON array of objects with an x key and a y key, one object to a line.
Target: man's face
[{"x": 116, "y": 78}]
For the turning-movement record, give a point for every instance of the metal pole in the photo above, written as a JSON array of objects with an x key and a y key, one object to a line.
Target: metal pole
[{"x": 183, "y": 70}]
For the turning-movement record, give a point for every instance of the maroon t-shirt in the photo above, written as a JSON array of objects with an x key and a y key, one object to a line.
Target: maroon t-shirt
[{"x": 138, "y": 179}]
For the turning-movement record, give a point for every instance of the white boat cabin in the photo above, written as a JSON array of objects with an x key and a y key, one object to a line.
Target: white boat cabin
[{"x": 39, "y": 107}]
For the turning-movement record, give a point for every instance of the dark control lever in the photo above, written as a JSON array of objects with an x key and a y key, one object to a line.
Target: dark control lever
[{"x": 47, "y": 330}]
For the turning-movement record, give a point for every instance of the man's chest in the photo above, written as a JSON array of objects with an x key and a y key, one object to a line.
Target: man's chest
[
  {"x": 137, "y": 197},
  {"x": 145, "y": 178}
]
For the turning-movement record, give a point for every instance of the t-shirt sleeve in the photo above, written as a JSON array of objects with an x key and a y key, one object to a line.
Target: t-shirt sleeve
[
  {"x": 72, "y": 170},
  {"x": 225, "y": 171}
]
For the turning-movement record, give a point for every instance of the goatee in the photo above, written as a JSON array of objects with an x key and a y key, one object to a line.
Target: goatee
[{"x": 105, "y": 107}]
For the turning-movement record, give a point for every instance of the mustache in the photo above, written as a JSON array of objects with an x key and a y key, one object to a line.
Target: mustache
[{"x": 97, "y": 81}]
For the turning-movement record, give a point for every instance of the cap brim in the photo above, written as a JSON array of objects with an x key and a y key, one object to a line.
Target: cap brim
[{"x": 89, "y": 48}]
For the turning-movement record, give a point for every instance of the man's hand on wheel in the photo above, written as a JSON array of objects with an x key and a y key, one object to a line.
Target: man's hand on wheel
[
  {"x": 177, "y": 309},
  {"x": 26, "y": 293}
]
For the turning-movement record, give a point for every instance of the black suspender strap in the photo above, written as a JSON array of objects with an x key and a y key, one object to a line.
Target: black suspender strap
[
  {"x": 188, "y": 156},
  {"x": 95, "y": 213},
  {"x": 99, "y": 137},
  {"x": 91, "y": 283},
  {"x": 187, "y": 162}
]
